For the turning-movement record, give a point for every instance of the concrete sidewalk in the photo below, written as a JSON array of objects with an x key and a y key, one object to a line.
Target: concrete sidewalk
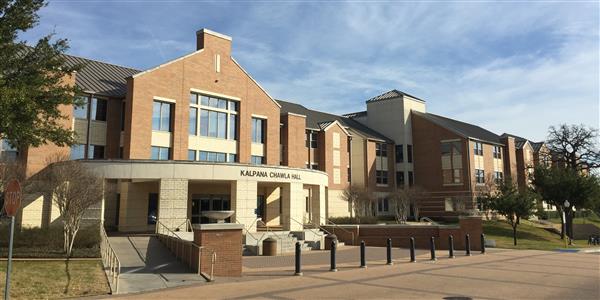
[
  {"x": 146, "y": 264},
  {"x": 499, "y": 274}
]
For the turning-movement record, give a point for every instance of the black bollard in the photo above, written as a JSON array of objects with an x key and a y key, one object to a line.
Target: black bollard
[
  {"x": 482, "y": 243},
  {"x": 389, "y": 252},
  {"x": 298, "y": 270},
  {"x": 467, "y": 245},
  {"x": 451, "y": 246},
  {"x": 363, "y": 261},
  {"x": 333, "y": 246},
  {"x": 432, "y": 245},
  {"x": 412, "y": 250}
]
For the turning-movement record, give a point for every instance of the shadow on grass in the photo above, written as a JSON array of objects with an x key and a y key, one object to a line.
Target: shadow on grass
[
  {"x": 503, "y": 229},
  {"x": 66, "y": 290}
]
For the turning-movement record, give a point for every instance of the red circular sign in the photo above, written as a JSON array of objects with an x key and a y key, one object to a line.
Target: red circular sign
[{"x": 12, "y": 198}]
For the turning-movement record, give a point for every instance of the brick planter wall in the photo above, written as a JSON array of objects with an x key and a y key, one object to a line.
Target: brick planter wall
[{"x": 377, "y": 235}]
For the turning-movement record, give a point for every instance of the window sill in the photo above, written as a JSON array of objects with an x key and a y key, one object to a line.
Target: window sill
[{"x": 452, "y": 184}]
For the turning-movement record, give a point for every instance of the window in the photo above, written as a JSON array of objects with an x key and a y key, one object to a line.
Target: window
[
  {"x": 411, "y": 178},
  {"x": 381, "y": 177},
  {"x": 232, "y": 127},
  {"x": 311, "y": 139},
  {"x": 218, "y": 117},
  {"x": 451, "y": 153},
  {"x": 258, "y": 130},
  {"x": 400, "y": 179},
  {"x": 123, "y": 107},
  {"x": 193, "y": 125},
  {"x": 478, "y": 150},
  {"x": 349, "y": 175},
  {"x": 312, "y": 166},
  {"x": 95, "y": 152},
  {"x": 256, "y": 160},
  {"x": 232, "y": 158},
  {"x": 152, "y": 208},
  {"x": 409, "y": 153},
  {"x": 498, "y": 177},
  {"x": 98, "y": 111},
  {"x": 161, "y": 116},
  {"x": 161, "y": 153},
  {"x": 78, "y": 151},
  {"x": 80, "y": 112},
  {"x": 383, "y": 204},
  {"x": 479, "y": 176},
  {"x": 212, "y": 156},
  {"x": 497, "y": 152},
  {"x": 7, "y": 152},
  {"x": 121, "y": 152},
  {"x": 399, "y": 153},
  {"x": 192, "y": 155},
  {"x": 381, "y": 149}
]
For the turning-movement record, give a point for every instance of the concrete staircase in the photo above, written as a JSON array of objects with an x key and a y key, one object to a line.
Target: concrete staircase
[{"x": 286, "y": 241}]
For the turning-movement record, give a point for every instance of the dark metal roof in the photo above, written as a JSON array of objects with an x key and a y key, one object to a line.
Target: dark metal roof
[
  {"x": 520, "y": 141},
  {"x": 101, "y": 78},
  {"x": 391, "y": 95},
  {"x": 318, "y": 120},
  {"x": 537, "y": 146},
  {"x": 464, "y": 129},
  {"x": 355, "y": 114}
]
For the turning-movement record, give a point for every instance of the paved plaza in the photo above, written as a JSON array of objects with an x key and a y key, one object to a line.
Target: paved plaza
[{"x": 499, "y": 274}]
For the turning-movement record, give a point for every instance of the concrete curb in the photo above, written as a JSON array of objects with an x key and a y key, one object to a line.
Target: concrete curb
[{"x": 582, "y": 250}]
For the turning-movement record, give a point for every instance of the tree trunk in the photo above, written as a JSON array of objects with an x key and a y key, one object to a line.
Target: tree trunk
[{"x": 514, "y": 226}]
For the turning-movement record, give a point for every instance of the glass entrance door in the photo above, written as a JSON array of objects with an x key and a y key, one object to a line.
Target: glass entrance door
[{"x": 202, "y": 203}]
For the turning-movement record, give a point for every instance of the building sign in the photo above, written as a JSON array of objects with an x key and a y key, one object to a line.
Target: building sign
[{"x": 270, "y": 174}]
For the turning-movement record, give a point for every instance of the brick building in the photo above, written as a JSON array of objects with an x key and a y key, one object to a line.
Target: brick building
[{"x": 199, "y": 134}]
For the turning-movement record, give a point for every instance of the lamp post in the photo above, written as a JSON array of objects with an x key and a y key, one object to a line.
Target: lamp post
[{"x": 566, "y": 206}]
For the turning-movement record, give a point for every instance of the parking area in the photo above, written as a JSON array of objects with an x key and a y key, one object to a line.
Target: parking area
[{"x": 499, "y": 274}]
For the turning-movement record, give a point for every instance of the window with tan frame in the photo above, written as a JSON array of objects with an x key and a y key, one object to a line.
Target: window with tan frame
[{"x": 451, "y": 153}]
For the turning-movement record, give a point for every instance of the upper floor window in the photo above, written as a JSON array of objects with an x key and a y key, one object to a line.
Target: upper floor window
[
  {"x": 381, "y": 177},
  {"x": 497, "y": 152},
  {"x": 95, "y": 152},
  {"x": 479, "y": 176},
  {"x": 400, "y": 179},
  {"x": 218, "y": 117},
  {"x": 123, "y": 116},
  {"x": 97, "y": 109},
  {"x": 478, "y": 149},
  {"x": 161, "y": 153},
  {"x": 498, "y": 177},
  {"x": 399, "y": 153},
  {"x": 411, "y": 178},
  {"x": 258, "y": 129},
  {"x": 7, "y": 152},
  {"x": 381, "y": 149},
  {"x": 257, "y": 160},
  {"x": 161, "y": 116},
  {"x": 311, "y": 139},
  {"x": 312, "y": 166},
  {"x": 212, "y": 156},
  {"x": 409, "y": 153},
  {"x": 383, "y": 204},
  {"x": 451, "y": 162}
]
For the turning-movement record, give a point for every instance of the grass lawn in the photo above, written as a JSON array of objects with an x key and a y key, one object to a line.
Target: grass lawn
[
  {"x": 51, "y": 280},
  {"x": 593, "y": 219},
  {"x": 528, "y": 236}
]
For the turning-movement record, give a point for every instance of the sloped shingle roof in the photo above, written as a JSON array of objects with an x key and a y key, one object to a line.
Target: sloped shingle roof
[
  {"x": 464, "y": 129},
  {"x": 319, "y": 120},
  {"x": 101, "y": 78}
]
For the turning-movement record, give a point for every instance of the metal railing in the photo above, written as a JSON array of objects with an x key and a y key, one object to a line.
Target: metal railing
[
  {"x": 110, "y": 260},
  {"x": 329, "y": 222},
  {"x": 178, "y": 246},
  {"x": 429, "y": 220}
]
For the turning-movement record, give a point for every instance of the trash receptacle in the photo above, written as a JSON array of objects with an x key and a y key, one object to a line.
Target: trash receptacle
[
  {"x": 328, "y": 239},
  {"x": 269, "y": 247}
]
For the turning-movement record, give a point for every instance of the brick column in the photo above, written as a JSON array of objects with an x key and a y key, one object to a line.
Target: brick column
[
  {"x": 173, "y": 202},
  {"x": 243, "y": 202},
  {"x": 318, "y": 204},
  {"x": 293, "y": 206}
]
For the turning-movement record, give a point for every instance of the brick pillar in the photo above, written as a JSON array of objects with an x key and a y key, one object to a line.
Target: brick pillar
[
  {"x": 243, "y": 202},
  {"x": 318, "y": 204},
  {"x": 173, "y": 202},
  {"x": 293, "y": 206}
]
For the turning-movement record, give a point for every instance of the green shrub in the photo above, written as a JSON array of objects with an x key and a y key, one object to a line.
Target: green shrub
[{"x": 48, "y": 242}]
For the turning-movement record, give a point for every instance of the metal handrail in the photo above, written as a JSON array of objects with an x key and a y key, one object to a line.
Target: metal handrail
[
  {"x": 340, "y": 227},
  {"x": 172, "y": 235},
  {"x": 110, "y": 259},
  {"x": 429, "y": 220}
]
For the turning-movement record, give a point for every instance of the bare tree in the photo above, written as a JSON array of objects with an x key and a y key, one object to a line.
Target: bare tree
[
  {"x": 402, "y": 200},
  {"x": 359, "y": 199},
  {"x": 575, "y": 146},
  {"x": 73, "y": 189},
  {"x": 485, "y": 193}
]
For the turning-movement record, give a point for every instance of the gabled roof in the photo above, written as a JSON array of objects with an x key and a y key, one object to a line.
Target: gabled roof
[
  {"x": 101, "y": 78},
  {"x": 461, "y": 128},
  {"x": 391, "y": 95},
  {"x": 317, "y": 120},
  {"x": 357, "y": 114},
  {"x": 537, "y": 146},
  {"x": 520, "y": 141}
]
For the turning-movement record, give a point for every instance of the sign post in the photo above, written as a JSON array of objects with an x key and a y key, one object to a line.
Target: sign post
[{"x": 12, "y": 201}]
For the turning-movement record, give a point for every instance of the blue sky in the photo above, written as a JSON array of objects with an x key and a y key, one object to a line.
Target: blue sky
[{"x": 509, "y": 67}]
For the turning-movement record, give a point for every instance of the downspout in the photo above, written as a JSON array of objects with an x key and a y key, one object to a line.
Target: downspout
[
  {"x": 469, "y": 168},
  {"x": 89, "y": 123}
]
